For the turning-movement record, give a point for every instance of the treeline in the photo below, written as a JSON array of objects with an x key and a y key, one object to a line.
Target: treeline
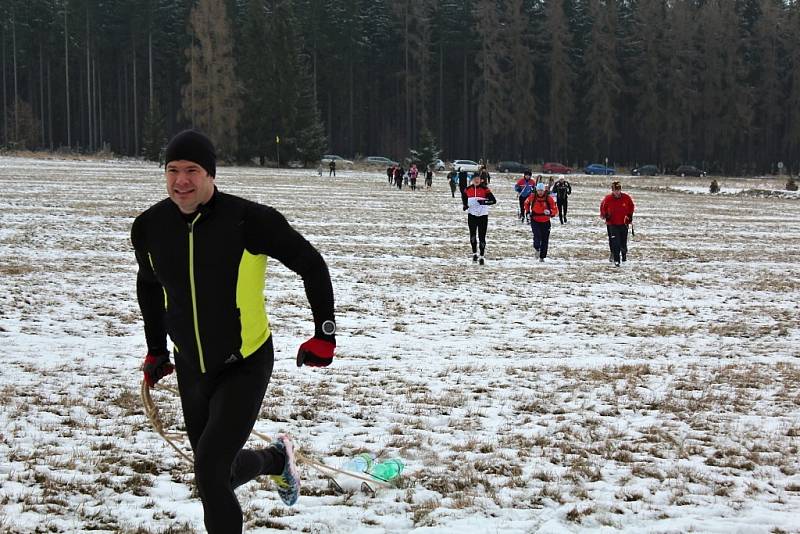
[{"x": 710, "y": 82}]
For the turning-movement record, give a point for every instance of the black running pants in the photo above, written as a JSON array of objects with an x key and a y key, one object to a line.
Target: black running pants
[
  {"x": 220, "y": 411},
  {"x": 562, "y": 210},
  {"x": 541, "y": 237},
  {"x": 477, "y": 225},
  {"x": 522, "y": 207},
  {"x": 618, "y": 240}
]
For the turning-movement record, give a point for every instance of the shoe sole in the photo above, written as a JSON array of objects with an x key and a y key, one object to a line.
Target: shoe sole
[{"x": 288, "y": 450}]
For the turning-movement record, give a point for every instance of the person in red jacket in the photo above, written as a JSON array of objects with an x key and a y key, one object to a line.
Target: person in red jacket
[
  {"x": 541, "y": 208},
  {"x": 616, "y": 210}
]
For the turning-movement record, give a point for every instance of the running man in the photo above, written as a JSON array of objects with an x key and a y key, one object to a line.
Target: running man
[
  {"x": 202, "y": 257},
  {"x": 541, "y": 208},
  {"x": 616, "y": 210},
  {"x": 562, "y": 189},
  {"x": 524, "y": 187},
  {"x": 476, "y": 199}
]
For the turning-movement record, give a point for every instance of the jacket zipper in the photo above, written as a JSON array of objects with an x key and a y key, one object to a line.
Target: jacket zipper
[{"x": 194, "y": 295}]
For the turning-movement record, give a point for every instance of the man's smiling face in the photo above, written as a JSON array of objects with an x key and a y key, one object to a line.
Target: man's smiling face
[{"x": 188, "y": 185}]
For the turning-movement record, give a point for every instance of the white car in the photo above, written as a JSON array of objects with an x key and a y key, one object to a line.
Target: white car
[
  {"x": 327, "y": 158},
  {"x": 466, "y": 165},
  {"x": 437, "y": 165}
]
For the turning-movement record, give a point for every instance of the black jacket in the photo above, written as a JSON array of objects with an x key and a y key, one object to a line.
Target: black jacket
[
  {"x": 201, "y": 277},
  {"x": 562, "y": 190}
]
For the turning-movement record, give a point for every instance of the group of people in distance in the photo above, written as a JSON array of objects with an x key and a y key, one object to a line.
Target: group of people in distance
[
  {"x": 399, "y": 176},
  {"x": 538, "y": 203}
]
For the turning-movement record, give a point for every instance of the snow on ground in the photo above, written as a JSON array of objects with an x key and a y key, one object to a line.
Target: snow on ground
[{"x": 568, "y": 396}]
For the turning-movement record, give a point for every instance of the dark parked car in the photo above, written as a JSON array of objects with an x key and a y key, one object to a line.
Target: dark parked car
[
  {"x": 689, "y": 170},
  {"x": 555, "y": 168},
  {"x": 598, "y": 168},
  {"x": 512, "y": 166},
  {"x": 645, "y": 170},
  {"x": 380, "y": 160}
]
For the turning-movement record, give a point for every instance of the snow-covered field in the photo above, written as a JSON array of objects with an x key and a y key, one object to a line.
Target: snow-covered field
[{"x": 568, "y": 396}]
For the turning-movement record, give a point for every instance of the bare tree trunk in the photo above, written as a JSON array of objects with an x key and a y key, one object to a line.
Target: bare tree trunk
[
  {"x": 126, "y": 109},
  {"x": 49, "y": 108},
  {"x": 150, "y": 66},
  {"x": 135, "y": 107},
  {"x": 465, "y": 105},
  {"x": 441, "y": 93},
  {"x": 16, "y": 83},
  {"x": 352, "y": 112},
  {"x": 5, "y": 94},
  {"x": 99, "y": 109},
  {"x": 192, "y": 79},
  {"x": 41, "y": 91},
  {"x": 120, "y": 108},
  {"x": 66, "y": 74},
  {"x": 407, "y": 78},
  {"x": 89, "y": 119},
  {"x": 314, "y": 60}
]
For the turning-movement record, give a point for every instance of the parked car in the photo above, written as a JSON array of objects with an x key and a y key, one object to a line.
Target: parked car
[
  {"x": 466, "y": 165},
  {"x": 512, "y": 166},
  {"x": 689, "y": 170},
  {"x": 598, "y": 168},
  {"x": 556, "y": 168},
  {"x": 437, "y": 165},
  {"x": 327, "y": 158},
  {"x": 645, "y": 170},
  {"x": 380, "y": 160}
]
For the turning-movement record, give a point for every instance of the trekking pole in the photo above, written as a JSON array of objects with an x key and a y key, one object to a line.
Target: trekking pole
[{"x": 633, "y": 230}]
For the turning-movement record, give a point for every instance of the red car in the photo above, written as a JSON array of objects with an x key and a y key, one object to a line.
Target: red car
[{"x": 555, "y": 168}]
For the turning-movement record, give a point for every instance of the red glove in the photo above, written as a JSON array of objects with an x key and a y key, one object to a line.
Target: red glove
[
  {"x": 316, "y": 352},
  {"x": 156, "y": 367}
]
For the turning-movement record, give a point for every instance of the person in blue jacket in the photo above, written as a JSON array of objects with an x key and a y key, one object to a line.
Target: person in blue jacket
[{"x": 524, "y": 187}]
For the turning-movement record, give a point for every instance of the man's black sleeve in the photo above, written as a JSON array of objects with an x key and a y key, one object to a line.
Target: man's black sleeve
[
  {"x": 150, "y": 295},
  {"x": 268, "y": 232}
]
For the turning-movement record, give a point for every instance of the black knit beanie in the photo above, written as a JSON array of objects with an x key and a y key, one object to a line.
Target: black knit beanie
[{"x": 191, "y": 145}]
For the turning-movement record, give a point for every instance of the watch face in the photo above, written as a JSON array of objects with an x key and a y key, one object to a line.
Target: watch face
[{"x": 329, "y": 328}]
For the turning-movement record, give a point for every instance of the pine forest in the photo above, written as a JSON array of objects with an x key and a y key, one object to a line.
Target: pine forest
[{"x": 714, "y": 83}]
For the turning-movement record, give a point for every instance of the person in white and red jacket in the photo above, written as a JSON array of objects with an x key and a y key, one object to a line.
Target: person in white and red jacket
[
  {"x": 476, "y": 199},
  {"x": 616, "y": 210},
  {"x": 541, "y": 208}
]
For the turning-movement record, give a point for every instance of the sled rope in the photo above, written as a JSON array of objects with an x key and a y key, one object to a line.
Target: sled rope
[{"x": 151, "y": 411}]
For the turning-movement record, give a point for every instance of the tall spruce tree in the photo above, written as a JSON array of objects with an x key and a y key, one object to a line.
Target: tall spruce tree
[
  {"x": 679, "y": 93},
  {"x": 211, "y": 100},
  {"x": 561, "y": 77},
  {"x": 768, "y": 47},
  {"x": 254, "y": 69},
  {"x": 520, "y": 98},
  {"x": 428, "y": 150},
  {"x": 791, "y": 106},
  {"x": 601, "y": 99},
  {"x": 489, "y": 85},
  {"x": 647, "y": 57}
]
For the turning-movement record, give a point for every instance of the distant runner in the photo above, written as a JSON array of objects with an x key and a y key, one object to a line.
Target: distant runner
[
  {"x": 562, "y": 190},
  {"x": 541, "y": 208},
  {"x": 616, "y": 210},
  {"x": 476, "y": 199}
]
